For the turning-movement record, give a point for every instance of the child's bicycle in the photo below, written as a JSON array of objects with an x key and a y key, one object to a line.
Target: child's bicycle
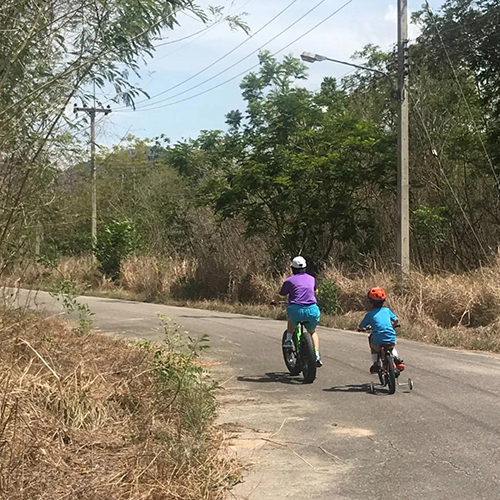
[
  {"x": 302, "y": 356},
  {"x": 387, "y": 372}
]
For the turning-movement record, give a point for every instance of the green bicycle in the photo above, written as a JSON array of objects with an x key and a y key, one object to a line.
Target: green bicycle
[{"x": 301, "y": 358}]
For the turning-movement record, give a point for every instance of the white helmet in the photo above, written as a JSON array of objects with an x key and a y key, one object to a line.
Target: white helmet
[{"x": 299, "y": 263}]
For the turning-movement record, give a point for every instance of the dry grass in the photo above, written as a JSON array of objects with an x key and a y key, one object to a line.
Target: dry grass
[
  {"x": 447, "y": 309},
  {"x": 81, "y": 270},
  {"x": 90, "y": 418},
  {"x": 469, "y": 300}
]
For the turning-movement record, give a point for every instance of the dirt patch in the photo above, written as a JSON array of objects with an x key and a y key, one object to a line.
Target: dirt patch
[{"x": 352, "y": 432}]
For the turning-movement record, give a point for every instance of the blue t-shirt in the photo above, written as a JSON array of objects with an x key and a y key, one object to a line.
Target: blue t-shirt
[{"x": 380, "y": 321}]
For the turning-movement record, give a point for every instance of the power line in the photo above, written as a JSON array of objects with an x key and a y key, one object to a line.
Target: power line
[
  {"x": 254, "y": 66},
  {"x": 72, "y": 68},
  {"x": 192, "y": 38},
  {"x": 219, "y": 60},
  {"x": 464, "y": 97},
  {"x": 204, "y": 30}
]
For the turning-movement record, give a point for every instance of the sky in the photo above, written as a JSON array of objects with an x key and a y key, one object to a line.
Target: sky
[{"x": 350, "y": 29}]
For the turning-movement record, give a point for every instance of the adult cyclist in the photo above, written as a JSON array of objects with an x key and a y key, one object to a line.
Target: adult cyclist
[{"x": 301, "y": 291}]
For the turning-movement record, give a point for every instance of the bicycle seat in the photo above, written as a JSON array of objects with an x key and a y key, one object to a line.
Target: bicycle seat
[{"x": 388, "y": 347}]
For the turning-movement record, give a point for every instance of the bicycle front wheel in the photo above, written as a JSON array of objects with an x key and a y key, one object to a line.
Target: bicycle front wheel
[{"x": 291, "y": 359}]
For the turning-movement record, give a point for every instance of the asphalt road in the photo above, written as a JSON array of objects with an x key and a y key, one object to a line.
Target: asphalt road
[{"x": 333, "y": 439}]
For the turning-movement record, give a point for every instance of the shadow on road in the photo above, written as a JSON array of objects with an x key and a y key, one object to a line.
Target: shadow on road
[
  {"x": 363, "y": 388},
  {"x": 276, "y": 377},
  {"x": 224, "y": 317},
  {"x": 350, "y": 388}
]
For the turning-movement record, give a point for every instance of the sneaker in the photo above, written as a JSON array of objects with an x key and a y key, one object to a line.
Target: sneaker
[
  {"x": 288, "y": 344},
  {"x": 400, "y": 364},
  {"x": 319, "y": 363},
  {"x": 374, "y": 369}
]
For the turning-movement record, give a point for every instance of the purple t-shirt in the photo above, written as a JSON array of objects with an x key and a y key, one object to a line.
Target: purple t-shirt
[{"x": 300, "y": 289}]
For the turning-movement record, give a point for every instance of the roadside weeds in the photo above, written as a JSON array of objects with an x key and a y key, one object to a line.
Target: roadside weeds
[{"x": 87, "y": 416}]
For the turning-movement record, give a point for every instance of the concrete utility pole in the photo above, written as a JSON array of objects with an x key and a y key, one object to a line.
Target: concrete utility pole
[
  {"x": 92, "y": 112},
  {"x": 403, "y": 145}
]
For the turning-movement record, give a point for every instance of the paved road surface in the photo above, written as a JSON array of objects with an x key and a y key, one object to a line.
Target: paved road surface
[{"x": 333, "y": 440}]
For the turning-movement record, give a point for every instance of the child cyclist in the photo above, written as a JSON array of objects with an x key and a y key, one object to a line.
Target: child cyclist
[
  {"x": 302, "y": 304},
  {"x": 382, "y": 322}
]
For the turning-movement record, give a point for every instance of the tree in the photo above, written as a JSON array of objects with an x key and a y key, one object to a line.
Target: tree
[
  {"x": 302, "y": 163},
  {"x": 50, "y": 51}
]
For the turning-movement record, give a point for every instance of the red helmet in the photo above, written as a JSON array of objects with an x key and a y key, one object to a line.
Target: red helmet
[{"x": 377, "y": 294}]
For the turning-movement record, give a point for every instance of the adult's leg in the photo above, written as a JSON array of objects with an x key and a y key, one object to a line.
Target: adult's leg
[{"x": 315, "y": 338}]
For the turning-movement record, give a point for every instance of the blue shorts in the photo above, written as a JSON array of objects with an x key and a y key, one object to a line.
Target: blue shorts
[{"x": 309, "y": 315}]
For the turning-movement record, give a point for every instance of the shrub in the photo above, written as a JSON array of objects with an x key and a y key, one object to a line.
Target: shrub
[
  {"x": 328, "y": 295},
  {"x": 116, "y": 241}
]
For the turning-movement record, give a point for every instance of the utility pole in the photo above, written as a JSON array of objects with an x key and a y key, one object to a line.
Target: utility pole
[
  {"x": 403, "y": 145},
  {"x": 92, "y": 112}
]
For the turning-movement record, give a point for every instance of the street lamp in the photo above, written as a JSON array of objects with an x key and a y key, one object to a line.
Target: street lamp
[
  {"x": 309, "y": 57},
  {"x": 401, "y": 95}
]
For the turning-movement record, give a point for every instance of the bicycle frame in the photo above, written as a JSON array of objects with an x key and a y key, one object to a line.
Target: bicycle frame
[{"x": 298, "y": 335}]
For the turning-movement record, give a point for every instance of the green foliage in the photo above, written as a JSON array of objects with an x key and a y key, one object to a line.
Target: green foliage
[
  {"x": 48, "y": 257},
  {"x": 55, "y": 53},
  {"x": 328, "y": 296},
  {"x": 430, "y": 224},
  {"x": 116, "y": 241},
  {"x": 185, "y": 382},
  {"x": 300, "y": 165},
  {"x": 67, "y": 294},
  {"x": 313, "y": 172}
]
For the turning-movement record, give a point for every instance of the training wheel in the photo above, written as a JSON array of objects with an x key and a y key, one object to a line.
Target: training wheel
[{"x": 410, "y": 384}]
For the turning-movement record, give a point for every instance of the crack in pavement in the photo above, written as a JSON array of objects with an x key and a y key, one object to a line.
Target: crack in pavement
[{"x": 450, "y": 463}]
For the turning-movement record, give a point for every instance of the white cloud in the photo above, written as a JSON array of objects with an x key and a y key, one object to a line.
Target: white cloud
[{"x": 391, "y": 16}]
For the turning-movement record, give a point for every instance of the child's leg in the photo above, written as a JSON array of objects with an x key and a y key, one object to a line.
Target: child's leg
[{"x": 374, "y": 348}]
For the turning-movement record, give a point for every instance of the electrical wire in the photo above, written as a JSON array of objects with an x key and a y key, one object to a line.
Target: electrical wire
[
  {"x": 249, "y": 69},
  {"x": 72, "y": 68},
  {"x": 192, "y": 38},
  {"x": 443, "y": 173},
  {"x": 227, "y": 54},
  {"x": 464, "y": 97},
  {"x": 204, "y": 30}
]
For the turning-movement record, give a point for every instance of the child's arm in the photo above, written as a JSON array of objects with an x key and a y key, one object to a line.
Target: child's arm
[
  {"x": 394, "y": 320},
  {"x": 364, "y": 324}
]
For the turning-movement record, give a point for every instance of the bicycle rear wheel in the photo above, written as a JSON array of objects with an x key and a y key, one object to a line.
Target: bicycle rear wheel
[
  {"x": 391, "y": 376},
  {"x": 308, "y": 357},
  {"x": 292, "y": 361}
]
